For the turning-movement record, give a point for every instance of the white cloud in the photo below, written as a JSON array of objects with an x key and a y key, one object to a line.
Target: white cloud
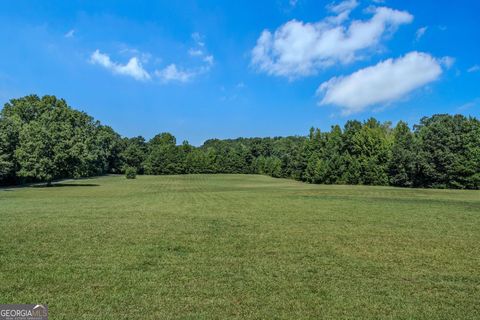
[
  {"x": 209, "y": 60},
  {"x": 447, "y": 61},
  {"x": 172, "y": 73},
  {"x": 342, "y": 10},
  {"x": 347, "y": 5},
  {"x": 133, "y": 68},
  {"x": 420, "y": 33},
  {"x": 200, "y": 50},
  {"x": 195, "y": 52},
  {"x": 70, "y": 34},
  {"x": 382, "y": 83},
  {"x": 301, "y": 49},
  {"x": 474, "y": 68},
  {"x": 198, "y": 39}
]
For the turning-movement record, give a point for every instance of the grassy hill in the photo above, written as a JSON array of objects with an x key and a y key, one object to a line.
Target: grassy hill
[{"x": 239, "y": 246}]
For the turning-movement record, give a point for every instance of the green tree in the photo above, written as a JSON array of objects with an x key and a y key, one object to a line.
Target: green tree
[
  {"x": 7, "y": 148},
  {"x": 134, "y": 154},
  {"x": 316, "y": 170},
  {"x": 448, "y": 155},
  {"x": 333, "y": 157},
  {"x": 163, "y": 155},
  {"x": 402, "y": 166},
  {"x": 371, "y": 146},
  {"x": 109, "y": 146},
  {"x": 44, "y": 139}
]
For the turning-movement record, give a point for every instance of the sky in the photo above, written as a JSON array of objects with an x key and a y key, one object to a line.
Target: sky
[{"x": 225, "y": 69}]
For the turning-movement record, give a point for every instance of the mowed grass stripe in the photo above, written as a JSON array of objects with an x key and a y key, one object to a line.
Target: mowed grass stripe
[{"x": 240, "y": 246}]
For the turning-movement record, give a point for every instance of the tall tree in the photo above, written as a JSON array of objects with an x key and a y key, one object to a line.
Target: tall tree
[
  {"x": 8, "y": 143},
  {"x": 402, "y": 166},
  {"x": 448, "y": 151},
  {"x": 163, "y": 155},
  {"x": 333, "y": 157},
  {"x": 371, "y": 145},
  {"x": 134, "y": 154}
]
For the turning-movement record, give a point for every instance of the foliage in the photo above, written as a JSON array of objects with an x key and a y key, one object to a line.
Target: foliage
[
  {"x": 402, "y": 162},
  {"x": 130, "y": 173},
  {"x": 42, "y": 139}
]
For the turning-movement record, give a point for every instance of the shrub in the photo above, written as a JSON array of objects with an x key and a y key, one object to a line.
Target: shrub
[{"x": 130, "y": 173}]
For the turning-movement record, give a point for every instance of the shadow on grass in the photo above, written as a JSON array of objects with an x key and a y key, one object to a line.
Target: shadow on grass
[{"x": 58, "y": 185}]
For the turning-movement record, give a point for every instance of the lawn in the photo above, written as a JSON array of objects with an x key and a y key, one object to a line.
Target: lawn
[{"x": 239, "y": 246}]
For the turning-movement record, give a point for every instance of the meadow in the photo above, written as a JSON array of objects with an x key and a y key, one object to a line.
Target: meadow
[{"x": 239, "y": 246}]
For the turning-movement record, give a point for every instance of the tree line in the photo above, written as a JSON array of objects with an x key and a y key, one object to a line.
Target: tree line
[{"x": 44, "y": 139}]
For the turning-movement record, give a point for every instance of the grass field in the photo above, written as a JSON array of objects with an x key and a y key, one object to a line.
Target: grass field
[{"x": 239, "y": 246}]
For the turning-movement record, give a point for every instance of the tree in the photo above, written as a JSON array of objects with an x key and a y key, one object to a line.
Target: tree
[
  {"x": 56, "y": 143},
  {"x": 333, "y": 156},
  {"x": 134, "y": 154},
  {"x": 402, "y": 161},
  {"x": 448, "y": 155},
  {"x": 130, "y": 173},
  {"x": 44, "y": 139},
  {"x": 163, "y": 156},
  {"x": 371, "y": 146},
  {"x": 352, "y": 173},
  {"x": 7, "y": 148},
  {"x": 316, "y": 170},
  {"x": 5, "y": 167},
  {"x": 273, "y": 167},
  {"x": 110, "y": 146}
]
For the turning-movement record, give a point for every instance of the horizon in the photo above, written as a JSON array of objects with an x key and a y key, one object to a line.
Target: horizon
[{"x": 212, "y": 70}]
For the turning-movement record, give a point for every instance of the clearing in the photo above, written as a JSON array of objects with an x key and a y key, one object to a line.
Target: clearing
[{"x": 239, "y": 246}]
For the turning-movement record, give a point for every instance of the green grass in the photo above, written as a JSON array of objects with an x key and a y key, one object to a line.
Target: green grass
[{"x": 240, "y": 246}]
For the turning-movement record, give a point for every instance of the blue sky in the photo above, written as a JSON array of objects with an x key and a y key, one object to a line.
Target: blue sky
[{"x": 204, "y": 69}]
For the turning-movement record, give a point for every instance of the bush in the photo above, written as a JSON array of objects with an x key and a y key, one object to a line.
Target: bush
[{"x": 130, "y": 173}]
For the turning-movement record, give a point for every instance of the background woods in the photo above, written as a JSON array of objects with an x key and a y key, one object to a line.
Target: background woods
[{"x": 43, "y": 139}]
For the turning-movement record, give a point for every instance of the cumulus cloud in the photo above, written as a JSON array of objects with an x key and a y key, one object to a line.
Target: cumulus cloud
[
  {"x": 200, "y": 51},
  {"x": 300, "y": 49},
  {"x": 172, "y": 73},
  {"x": 342, "y": 10},
  {"x": 382, "y": 83},
  {"x": 420, "y": 33},
  {"x": 132, "y": 68},
  {"x": 343, "y": 6}
]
